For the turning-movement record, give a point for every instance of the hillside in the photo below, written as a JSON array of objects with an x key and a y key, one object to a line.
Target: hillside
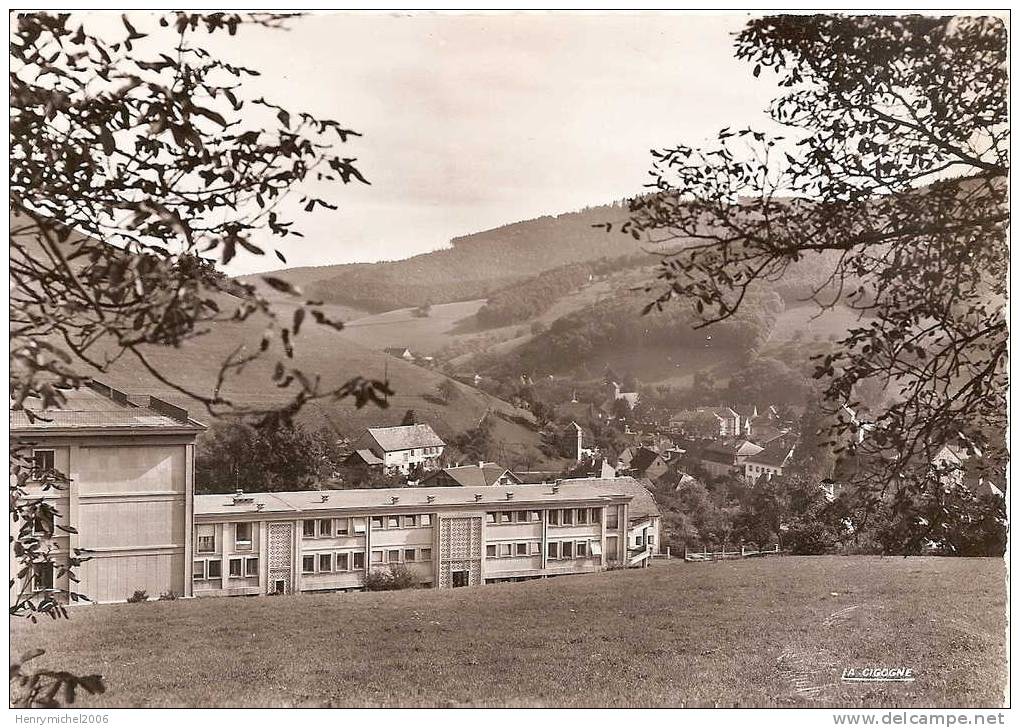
[
  {"x": 474, "y": 265},
  {"x": 321, "y": 350},
  {"x": 762, "y": 632}
]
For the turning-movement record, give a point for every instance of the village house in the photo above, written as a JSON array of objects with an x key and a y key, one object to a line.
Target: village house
[
  {"x": 643, "y": 462},
  {"x": 124, "y": 470},
  {"x": 401, "y": 352},
  {"x": 402, "y": 448},
  {"x": 770, "y": 461},
  {"x": 727, "y": 457},
  {"x": 264, "y": 543},
  {"x": 471, "y": 476}
]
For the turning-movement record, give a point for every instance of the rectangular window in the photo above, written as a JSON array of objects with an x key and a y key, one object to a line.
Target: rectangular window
[
  {"x": 426, "y": 554},
  {"x": 582, "y": 549},
  {"x": 393, "y": 522},
  {"x": 198, "y": 570},
  {"x": 554, "y": 518},
  {"x": 251, "y": 566},
  {"x": 490, "y": 517},
  {"x": 535, "y": 516},
  {"x": 408, "y": 554},
  {"x": 235, "y": 566},
  {"x": 568, "y": 517},
  {"x": 377, "y": 557},
  {"x": 490, "y": 549},
  {"x": 596, "y": 548},
  {"x": 522, "y": 516},
  {"x": 326, "y": 528},
  {"x": 308, "y": 564},
  {"x": 521, "y": 549},
  {"x": 343, "y": 562},
  {"x": 651, "y": 539},
  {"x": 206, "y": 537},
  {"x": 42, "y": 577},
  {"x": 359, "y": 525},
  {"x": 308, "y": 529},
  {"x": 43, "y": 462},
  {"x": 506, "y": 549},
  {"x": 359, "y": 559},
  {"x": 393, "y": 556},
  {"x": 536, "y": 548},
  {"x": 377, "y": 521},
  {"x": 426, "y": 519},
  {"x": 552, "y": 549},
  {"x": 613, "y": 518},
  {"x": 567, "y": 550},
  {"x": 582, "y": 515},
  {"x": 612, "y": 548},
  {"x": 410, "y": 521},
  {"x": 214, "y": 569},
  {"x": 326, "y": 563},
  {"x": 506, "y": 516},
  {"x": 639, "y": 540},
  {"x": 343, "y": 526},
  {"x": 596, "y": 515},
  {"x": 242, "y": 536}
]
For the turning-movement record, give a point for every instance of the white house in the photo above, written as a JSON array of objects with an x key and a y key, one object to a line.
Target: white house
[{"x": 402, "y": 448}]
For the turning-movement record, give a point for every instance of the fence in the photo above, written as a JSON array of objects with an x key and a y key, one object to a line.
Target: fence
[{"x": 743, "y": 553}]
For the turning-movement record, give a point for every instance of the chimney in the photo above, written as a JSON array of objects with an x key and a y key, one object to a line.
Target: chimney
[
  {"x": 430, "y": 498},
  {"x": 481, "y": 464},
  {"x": 509, "y": 495},
  {"x": 259, "y": 506},
  {"x": 394, "y": 499},
  {"x": 325, "y": 497},
  {"x": 478, "y": 497},
  {"x": 556, "y": 487}
]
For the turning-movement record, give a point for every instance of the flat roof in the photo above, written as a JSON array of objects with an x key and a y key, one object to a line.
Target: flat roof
[
  {"x": 410, "y": 499},
  {"x": 97, "y": 406}
]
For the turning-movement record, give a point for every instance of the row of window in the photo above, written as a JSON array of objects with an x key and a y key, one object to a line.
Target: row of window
[
  {"x": 397, "y": 556},
  {"x": 328, "y": 563},
  {"x": 556, "y": 517},
  {"x": 520, "y": 548},
  {"x": 573, "y": 549},
  {"x": 423, "y": 520},
  {"x": 238, "y": 568}
]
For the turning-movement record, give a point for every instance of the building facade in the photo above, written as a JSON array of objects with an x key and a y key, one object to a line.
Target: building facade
[
  {"x": 120, "y": 470},
  {"x": 308, "y": 541}
]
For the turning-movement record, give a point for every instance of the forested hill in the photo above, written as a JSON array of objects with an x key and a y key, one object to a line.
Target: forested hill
[{"x": 475, "y": 265}]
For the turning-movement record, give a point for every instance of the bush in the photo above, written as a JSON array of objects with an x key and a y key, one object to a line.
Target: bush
[
  {"x": 170, "y": 596},
  {"x": 396, "y": 577},
  {"x": 138, "y": 597}
]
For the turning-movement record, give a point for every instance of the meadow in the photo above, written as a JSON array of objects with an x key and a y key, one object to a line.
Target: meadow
[{"x": 766, "y": 632}]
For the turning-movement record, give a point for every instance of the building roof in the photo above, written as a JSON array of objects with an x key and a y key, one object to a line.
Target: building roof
[
  {"x": 720, "y": 412},
  {"x": 774, "y": 455},
  {"x": 470, "y": 476},
  {"x": 101, "y": 407},
  {"x": 727, "y": 451},
  {"x": 405, "y": 437},
  {"x": 642, "y": 458},
  {"x": 414, "y": 499},
  {"x": 366, "y": 456},
  {"x": 765, "y": 433}
]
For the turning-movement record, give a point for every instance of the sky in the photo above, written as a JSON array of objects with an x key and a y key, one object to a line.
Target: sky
[{"x": 475, "y": 121}]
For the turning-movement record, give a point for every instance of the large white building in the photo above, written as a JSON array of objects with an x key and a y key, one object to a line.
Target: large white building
[
  {"x": 120, "y": 470},
  {"x": 264, "y": 543}
]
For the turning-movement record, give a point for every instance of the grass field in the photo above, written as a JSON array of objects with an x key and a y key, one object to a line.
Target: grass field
[{"x": 749, "y": 633}]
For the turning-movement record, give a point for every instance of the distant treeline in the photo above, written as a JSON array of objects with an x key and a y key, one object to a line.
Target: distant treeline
[
  {"x": 617, "y": 322},
  {"x": 479, "y": 265},
  {"x": 534, "y": 296}
]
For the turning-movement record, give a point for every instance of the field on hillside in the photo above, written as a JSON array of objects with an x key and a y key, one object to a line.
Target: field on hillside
[
  {"x": 769, "y": 632},
  {"x": 401, "y": 327}
]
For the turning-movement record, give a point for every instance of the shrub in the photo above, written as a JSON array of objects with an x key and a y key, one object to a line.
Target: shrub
[
  {"x": 396, "y": 577},
  {"x": 138, "y": 597},
  {"x": 169, "y": 596}
]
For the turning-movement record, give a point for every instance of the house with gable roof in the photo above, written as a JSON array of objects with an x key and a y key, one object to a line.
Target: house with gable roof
[{"x": 403, "y": 447}]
